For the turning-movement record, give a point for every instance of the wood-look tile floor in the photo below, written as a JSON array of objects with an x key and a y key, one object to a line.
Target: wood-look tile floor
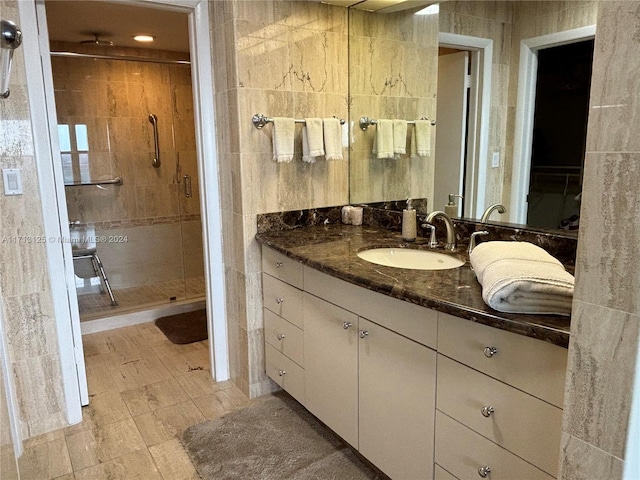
[{"x": 144, "y": 392}]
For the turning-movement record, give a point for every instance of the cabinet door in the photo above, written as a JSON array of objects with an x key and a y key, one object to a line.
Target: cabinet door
[
  {"x": 331, "y": 366},
  {"x": 396, "y": 402}
]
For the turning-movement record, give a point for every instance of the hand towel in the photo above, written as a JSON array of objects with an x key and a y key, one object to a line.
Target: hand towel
[
  {"x": 383, "y": 144},
  {"x": 399, "y": 137},
  {"x": 421, "y": 139},
  {"x": 332, "y": 139},
  {"x": 282, "y": 139},
  {"x": 312, "y": 139},
  {"x": 519, "y": 277}
]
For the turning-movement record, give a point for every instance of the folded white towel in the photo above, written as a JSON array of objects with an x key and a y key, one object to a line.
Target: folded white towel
[
  {"x": 312, "y": 139},
  {"x": 399, "y": 137},
  {"x": 421, "y": 139},
  {"x": 282, "y": 139},
  {"x": 332, "y": 139},
  {"x": 519, "y": 277},
  {"x": 383, "y": 144}
]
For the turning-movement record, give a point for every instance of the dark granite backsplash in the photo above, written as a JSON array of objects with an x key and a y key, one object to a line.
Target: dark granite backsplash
[{"x": 388, "y": 215}]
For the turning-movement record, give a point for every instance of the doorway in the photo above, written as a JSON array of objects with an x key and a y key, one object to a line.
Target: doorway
[
  {"x": 33, "y": 17},
  {"x": 559, "y": 135}
]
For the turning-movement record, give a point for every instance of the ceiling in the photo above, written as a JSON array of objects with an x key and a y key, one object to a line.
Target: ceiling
[
  {"x": 77, "y": 20},
  {"x": 380, "y": 6}
]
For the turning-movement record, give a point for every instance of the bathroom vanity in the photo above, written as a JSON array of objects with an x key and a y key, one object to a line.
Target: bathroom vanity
[{"x": 410, "y": 367}]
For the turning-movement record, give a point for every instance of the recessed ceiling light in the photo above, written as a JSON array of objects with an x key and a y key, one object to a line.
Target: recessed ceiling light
[{"x": 144, "y": 38}]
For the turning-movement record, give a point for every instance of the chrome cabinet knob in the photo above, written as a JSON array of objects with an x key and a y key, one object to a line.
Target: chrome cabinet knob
[
  {"x": 279, "y": 300},
  {"x": 363, "y": 333},
  {"x": 487, "y": 411},
  {"x": 346, "y": 325},
  {"x": 281, "y": 373},
  {"x": 490, "y": 351},
  {"x": 279, "y": 264},
  {"x": 484, "y": 471},
  {"x": 280, "y": 336}
]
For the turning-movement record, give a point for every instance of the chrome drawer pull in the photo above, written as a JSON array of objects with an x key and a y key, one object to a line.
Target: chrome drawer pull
[
  {"x": 346, "y": 325},
  {"x": 363, "y": 333},
  {"x": 490, "y": 351},
  {"x": 280, "y": 336},
  {"x": 281, "y": 373},
  {"x": 279, "y": 264},
  {"x": 279, "y": 300},
  {"x": 484, "y": 471},
  {"x": 487, "y": 411}
]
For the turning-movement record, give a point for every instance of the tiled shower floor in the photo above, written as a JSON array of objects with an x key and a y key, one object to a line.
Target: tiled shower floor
[{"x": 98, "y": 305}]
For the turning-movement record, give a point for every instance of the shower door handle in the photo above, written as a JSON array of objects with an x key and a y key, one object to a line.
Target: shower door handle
[
  {"x": 187, "y": 186},
  {"x": 154, "y": 121}
]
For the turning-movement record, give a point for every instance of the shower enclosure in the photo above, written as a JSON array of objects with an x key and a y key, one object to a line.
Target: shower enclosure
[{"x": 127, "y": 142}]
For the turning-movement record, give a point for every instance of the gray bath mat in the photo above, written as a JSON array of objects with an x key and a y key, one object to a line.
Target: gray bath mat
[
  {"x": 273, "y": 439},
  {"x": 184, "y": 328}
]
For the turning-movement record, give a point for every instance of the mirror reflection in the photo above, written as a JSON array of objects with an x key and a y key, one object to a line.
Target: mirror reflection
[{"x": 511, "y": 125}]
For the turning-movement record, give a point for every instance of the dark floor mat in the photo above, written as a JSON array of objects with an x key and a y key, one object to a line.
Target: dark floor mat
[{"x": 184, "y": 328}]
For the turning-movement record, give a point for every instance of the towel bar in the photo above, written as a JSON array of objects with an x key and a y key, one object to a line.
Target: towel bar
[
  {"x": 366, "y": 121},
  {"x": 115, "y": 181},
  {"x": 259, "y": 120}
]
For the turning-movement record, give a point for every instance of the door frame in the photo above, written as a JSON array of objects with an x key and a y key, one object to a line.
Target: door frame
[
  {"x": 525, "y": 109},
  {"x": 481, "y": 50},
  {"x": 56, "y": 220}
]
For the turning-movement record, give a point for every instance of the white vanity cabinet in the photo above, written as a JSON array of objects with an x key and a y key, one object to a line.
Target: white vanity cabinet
[
  {"x": 499, "y": 402},
  {"x": 367, "y": 365}
]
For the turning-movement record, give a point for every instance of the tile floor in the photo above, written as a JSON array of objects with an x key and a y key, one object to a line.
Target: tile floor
[
  {"x": 98, "y": 305},
  {"x": 144, "y": 392}
]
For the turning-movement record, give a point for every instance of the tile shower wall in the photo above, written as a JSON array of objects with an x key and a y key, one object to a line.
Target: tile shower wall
[
  {"x": 103, "y": 108},
  {"x": 25, "y": 292},
  {"x": 605, "y": 326},
  {"x": 393, "y": 74},
  {"x": 279, "y": 58}
]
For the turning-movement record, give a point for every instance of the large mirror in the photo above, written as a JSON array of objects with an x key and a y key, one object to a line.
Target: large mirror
[{"x": 492, "y": 143}]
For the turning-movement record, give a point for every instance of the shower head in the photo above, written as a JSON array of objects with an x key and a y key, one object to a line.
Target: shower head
[{"x": 97, "y": 41}]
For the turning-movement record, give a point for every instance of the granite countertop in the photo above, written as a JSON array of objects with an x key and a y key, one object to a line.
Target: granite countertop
[{"x": 333, "y": 249}]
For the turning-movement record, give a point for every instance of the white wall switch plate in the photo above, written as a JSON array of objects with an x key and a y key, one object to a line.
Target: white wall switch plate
[
  {"x": 495, "y": 160},
  {"x": 12, "y": 178}
]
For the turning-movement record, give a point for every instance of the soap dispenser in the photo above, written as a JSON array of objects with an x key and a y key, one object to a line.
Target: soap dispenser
[
  {"x": 451, "y": 208},
  {"x": 409, "y": 228}
]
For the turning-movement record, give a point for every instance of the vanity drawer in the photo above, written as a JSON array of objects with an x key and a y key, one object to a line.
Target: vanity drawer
[
  {"x": 284, "y": 337},
  {"x": 532, "y": 365},
  {"x": 522, "y": 424},
  {"x": 285, "y": 372},
  {"x": 441, "y": 474},
  {"x": 418, "y": 323},
  {"x": 280, "y": 266},
  {"x": 282, "y": 299},
  {"x": 462, "y": 452}
]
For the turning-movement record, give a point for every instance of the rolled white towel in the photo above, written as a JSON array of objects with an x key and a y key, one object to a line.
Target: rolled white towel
[
  {"x": 399, "y": 137},
  {"x": 282, "y": 139},
  {"x": 332, "y": 139},
  {"x": 312, "y": 139},
  {"x": 519, "y": 277}
]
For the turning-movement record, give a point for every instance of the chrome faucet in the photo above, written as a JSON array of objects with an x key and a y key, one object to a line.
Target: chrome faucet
[
  {"x": 487, "y": 213},
  {"x": 451, "y": 231}
]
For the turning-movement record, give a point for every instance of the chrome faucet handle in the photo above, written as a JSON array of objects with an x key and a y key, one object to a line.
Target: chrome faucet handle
[
  {"x": 472, "y": 239},
  {"x": 433, "y": 243}
]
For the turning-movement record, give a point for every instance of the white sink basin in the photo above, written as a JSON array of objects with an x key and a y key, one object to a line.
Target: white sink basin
[{"x": 409, "y": 258}]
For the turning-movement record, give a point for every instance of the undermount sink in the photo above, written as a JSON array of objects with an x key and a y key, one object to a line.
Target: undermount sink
[{"x": 409, "y": 258}]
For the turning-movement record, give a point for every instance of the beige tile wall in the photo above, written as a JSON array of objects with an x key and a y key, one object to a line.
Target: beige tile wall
[
  {"x": 278, "y": 58},
  {"x": 605, "y": 326},
  {"x": 393, "y": 61},
  {"x": 8, "y": 465},
  {"x": 25, "y": 290},
  {"x": 114, "y": 98}
]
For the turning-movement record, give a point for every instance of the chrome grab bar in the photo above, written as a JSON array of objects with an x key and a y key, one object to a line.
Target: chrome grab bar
[
  {"x": 187, "y": 186},
  {"x": 154, "y": 121},
  {"x": 115, "y": 181}
]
